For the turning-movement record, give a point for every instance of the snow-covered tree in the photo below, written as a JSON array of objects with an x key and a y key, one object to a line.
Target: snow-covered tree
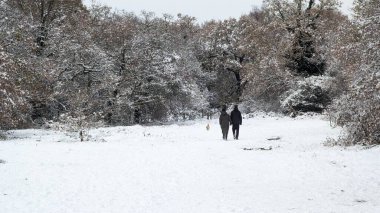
[
  {"x": 14, "y": 107},
  {"x": 161, "y": 72},
  {"x": 157, "y": 76},
  {"x": 17, "y": 76},
  {"x": 303, "y": 50},
  {"x": 223, "y": 53},
  {"x": 266, "y": 77},
  {"x": 85, "y": 73},
  {"x": 300, "y": 18},
  {"x": 358, "y": 110},
  {"x": 45, "y": 15},
  {"x": 95, "y": 64}
]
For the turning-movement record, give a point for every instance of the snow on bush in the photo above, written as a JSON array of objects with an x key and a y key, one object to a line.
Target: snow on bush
[
  {"x": 2, "y": 136},
  {"x": 77, "y": 127},
  {"x": 308, "y": 95},
  {"x": 358, "y": 111}
]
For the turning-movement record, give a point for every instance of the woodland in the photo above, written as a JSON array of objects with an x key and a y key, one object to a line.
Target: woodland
[{"x": 62, "y": 61}]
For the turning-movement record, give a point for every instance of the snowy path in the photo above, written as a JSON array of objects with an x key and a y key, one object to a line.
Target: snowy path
[{"x": 175, "y": 169}]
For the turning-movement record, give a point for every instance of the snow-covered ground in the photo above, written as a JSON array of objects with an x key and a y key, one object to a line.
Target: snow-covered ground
[{"x": 185, "y": 168}]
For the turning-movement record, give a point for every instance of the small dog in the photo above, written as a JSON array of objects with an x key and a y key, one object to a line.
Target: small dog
[{"x": 208, "y": 127}]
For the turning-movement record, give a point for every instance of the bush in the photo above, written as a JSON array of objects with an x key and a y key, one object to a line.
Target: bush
[
  {"x": 2, "y": 136},
  {"x": 267, "y": 82},
  {"x": 309, "y": 95},
  {"x": 358, "y": 112}
]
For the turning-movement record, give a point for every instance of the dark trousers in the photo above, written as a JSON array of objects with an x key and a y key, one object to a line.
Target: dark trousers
[
  {"x": 235, "y": 130},
  {"x": 225, "y": 133}
]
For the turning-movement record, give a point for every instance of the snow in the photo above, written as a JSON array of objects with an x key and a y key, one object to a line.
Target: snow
[{"x": 185, "y": 168}]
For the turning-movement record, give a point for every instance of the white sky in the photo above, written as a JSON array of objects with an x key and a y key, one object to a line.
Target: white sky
[{"x": 201, "y": 9}]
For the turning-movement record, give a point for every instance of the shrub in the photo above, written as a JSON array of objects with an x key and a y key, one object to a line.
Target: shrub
[{"x": 308, "y": 95}]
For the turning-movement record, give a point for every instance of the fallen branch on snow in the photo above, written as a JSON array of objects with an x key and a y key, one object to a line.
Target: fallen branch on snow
[
  {"x": 274, "y": 138},
  {"x": 259, "y": 149}
]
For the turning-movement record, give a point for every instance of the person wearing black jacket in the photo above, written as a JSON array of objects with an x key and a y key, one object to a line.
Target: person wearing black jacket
[
  {"x": 224, "y": 121},
  {"x": 236, "y": 121}
]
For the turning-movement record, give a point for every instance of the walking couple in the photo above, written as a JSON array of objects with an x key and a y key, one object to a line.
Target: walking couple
[{"x": 225, "y": 120}]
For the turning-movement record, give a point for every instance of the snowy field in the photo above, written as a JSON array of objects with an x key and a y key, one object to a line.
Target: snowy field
[{"x": 185, "y": 168}]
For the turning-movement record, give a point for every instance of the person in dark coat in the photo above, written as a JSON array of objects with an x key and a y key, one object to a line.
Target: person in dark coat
[
  {"x": 224, "y": 121},
  {"x": 236, "y": 121}
]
